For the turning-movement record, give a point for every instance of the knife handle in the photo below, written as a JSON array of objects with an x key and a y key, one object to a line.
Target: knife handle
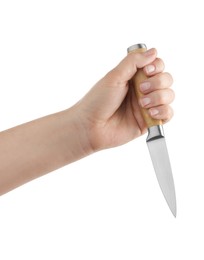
[{"x": 138, "y": 78}]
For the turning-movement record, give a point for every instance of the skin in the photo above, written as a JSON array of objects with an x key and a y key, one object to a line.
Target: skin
[{"x": 107, "y": 116}]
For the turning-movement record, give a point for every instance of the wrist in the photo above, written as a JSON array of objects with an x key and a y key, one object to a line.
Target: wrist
[{"x": 76, "y": 135}]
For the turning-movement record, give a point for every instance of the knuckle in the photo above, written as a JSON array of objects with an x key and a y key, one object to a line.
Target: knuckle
[
  {"x": 157, "y": 81},
  {"x": 169, "y": 112},
  {"x": 166, "y": 113},
  {"x": 160, "y": 80},
  {"x": 162, "y": 99},
  {"x": 171, "y": 94},
  {"x": 165, "y": 96},
  {"x": 169, "y": 77},
  {"x": 160, "y": 64},
  {"x": 163, "y": 80}
]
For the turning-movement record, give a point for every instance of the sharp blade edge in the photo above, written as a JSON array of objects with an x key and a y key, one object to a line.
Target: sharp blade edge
[{"x": 160, "y": 159}]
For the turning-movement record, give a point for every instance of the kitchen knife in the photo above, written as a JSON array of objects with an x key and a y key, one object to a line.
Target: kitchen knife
[{"x": 156, "y": 141}]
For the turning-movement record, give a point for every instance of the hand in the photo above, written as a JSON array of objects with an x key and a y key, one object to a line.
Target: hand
[{"x": 110, "y": 112}]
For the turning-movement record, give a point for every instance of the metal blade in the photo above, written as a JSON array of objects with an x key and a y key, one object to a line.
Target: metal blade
[{"x": 160, "y": 159}]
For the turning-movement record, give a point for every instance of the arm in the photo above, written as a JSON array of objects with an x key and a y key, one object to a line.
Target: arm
[
  {"x": 107, "y": 116},
  {"x": 40, "y": 146}
]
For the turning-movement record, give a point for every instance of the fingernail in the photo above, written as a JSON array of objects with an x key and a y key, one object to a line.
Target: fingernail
[
  {"x": 145, "y": 86},
  {"x": 149, "y": 69},
  {"x": 154, "y": 111},
  {"x": 150, "y": 52},
  {"x": 145, "y": 101}
]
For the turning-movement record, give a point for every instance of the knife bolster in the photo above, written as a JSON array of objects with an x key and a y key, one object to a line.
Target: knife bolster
[{"x": 155, "y": 132}]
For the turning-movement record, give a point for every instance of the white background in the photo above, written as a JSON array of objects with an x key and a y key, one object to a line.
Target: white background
[{"x": 108, "y": 205}]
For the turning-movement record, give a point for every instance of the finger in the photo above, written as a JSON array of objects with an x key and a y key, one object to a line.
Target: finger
[
  {"x": 155, "y": 67},
  {"x": 157, "y": 98},
  {"x": 164, "y": 113},
  {"x": 127, "y": 68},
  {"x": 159, "y": 81}
]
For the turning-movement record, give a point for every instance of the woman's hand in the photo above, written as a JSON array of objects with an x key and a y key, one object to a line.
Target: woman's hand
[{"x": 110, "y": 112}]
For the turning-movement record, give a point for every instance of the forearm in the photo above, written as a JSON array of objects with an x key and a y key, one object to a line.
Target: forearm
[{"x": 33, "y": 149}]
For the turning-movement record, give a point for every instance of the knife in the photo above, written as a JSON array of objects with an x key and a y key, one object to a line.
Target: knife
[{"x": 156, "y": 141}]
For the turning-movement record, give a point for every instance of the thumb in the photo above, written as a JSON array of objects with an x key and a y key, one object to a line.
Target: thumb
[{"x": 127, "y": 68}]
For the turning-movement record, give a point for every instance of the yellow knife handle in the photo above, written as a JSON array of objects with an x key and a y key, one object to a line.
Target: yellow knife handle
[{"x": 138, "y": 78}]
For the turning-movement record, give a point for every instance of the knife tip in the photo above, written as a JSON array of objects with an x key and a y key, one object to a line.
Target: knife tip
[{"x": 174, "y": 212}]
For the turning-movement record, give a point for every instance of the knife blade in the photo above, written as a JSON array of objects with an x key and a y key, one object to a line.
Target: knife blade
[{"x": 156, "y": 141}]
